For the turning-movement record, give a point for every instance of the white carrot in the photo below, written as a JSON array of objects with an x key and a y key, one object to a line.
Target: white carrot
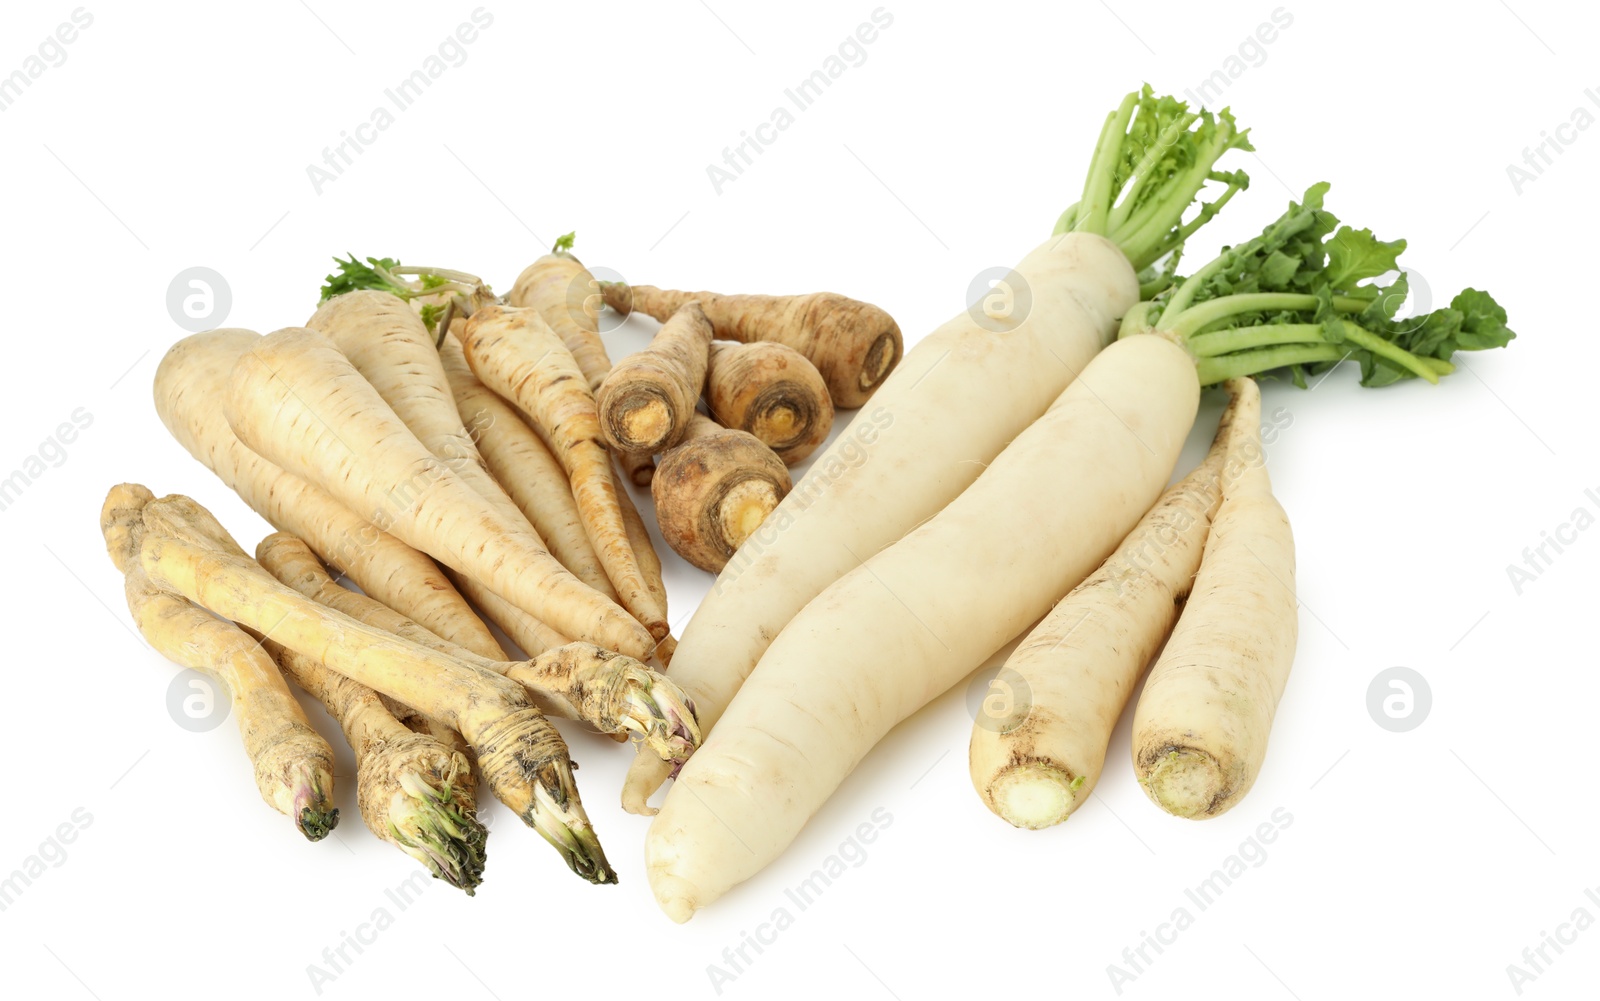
[
  {"x": 895, "y": 632},
  {"x": 1200, "y": 728}
]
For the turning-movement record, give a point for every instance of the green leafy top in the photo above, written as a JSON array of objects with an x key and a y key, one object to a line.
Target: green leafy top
[
  {"x": 1302, "y": 297},
  {"x": 384, "y": 274},
  {"x": 1153, "y": 157}
]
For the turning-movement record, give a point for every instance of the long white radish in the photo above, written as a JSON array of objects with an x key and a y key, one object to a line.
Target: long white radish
[
  {"x": 193, "y": 376},
  {"x": 959, "y": 395},
  {"x": 910, "y": 622},
  {"x": 298, "y": 401},
  {"x": 1038, "y": 759},
  {"x": 1200, "y": 728}
]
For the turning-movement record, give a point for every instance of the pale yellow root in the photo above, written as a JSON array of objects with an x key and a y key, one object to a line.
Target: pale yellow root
[
  {"x": 579, "y": 681},
  {"x": 644, "y": 550},
  {"x": 566, "y": 296},
  {"x": 531, "y": 635},
  {"x": 516, "y": 354},
  {"x": 293, "y": 763},
  {"x": 389, "y": 345},
  {"x": 524, "y": 466},
  {"x": 647, "y": 400},
  {"x": 713, "y": 491},
  {"x": 296, "y": 399},
  {"x": 1038, "y": 759},
  {"x": 638, "y": 469},
  {"x": 190, "y": 384},
  {"x": 522, "y": 757},
  {"x": 1201, "y": 726},
  {"x": 414, "y": 791},
  {"x": 772, "y": 391}
]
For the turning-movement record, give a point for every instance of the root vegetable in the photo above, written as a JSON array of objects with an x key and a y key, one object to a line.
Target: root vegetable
[
  {"x": 191, "y": 380},
  {"x": 638, "y": 469},
  {"x": 646, "y": 401},
  {"x": 644, "y": 550},
  {"x": 773, "y": 392},
  {"x": 516, "y": 354},
  {"x": 910, "y": 622},
  {"x": 523, "y": 465},
  {"x": 296, "y": 400},
  {"x": 519, "y": 752},
  {"x": 714, "y": 490},
  {"x": 576, "y": 681},
  {"x": 1201, "y": 725},
  {"x": 560, "y": 289},
  {"x": 413, "y": 791},
  {"x": 1038, "y": 761},
  {"x": 293, "y": 763},
  {"x": 961, "y": 395},
  {"x": 855, "y": 345}
]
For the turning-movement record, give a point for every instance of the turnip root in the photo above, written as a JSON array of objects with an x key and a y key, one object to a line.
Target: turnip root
[
  {"x": 575, "y": 681},
  {"x": 516, "y": 354},
  {"x": 1037, "y": 762},
  {"x": 296, "y": 400},
  {"x": 715, "y": 489},
  {"x": 519, "y": 752},
  {"x": 772, "y": 391},
  {"x": 293, "y": 763},
  {"x": 855, "y": 345},
  {"x": 892, "y": 634},
  {"x": 1201, "y": 725},
  {"x": 193, "y": 376},
  {"x": 646, "y": 401}
]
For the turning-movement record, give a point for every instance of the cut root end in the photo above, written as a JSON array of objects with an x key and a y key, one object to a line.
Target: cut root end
[
  {"x": 743, "y": 508},
  {"x": 1035, "y": 795},
  {"x": 1187, "y": 782}
]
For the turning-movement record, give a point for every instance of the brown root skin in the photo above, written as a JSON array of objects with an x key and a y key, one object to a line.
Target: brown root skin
[
  {"x": 714, "y": 490},
  {"x": 646, "y": 401},
  {"x": 854, "y": 344},
  {"x": 772, "y": 391},
  {"x": 293, "y": 764},
  {"x": 515, "y": 353},
  {"x": 639, "y": 468},
  {"x": 521, "y": 754}
]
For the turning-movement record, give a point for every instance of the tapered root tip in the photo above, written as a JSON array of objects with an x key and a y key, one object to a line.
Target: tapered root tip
[
  {"x": 317, "y": 824},
  {"x": 1187, "y": 782},
  {"x": 675, "y": 897},
  {"x": 1034, "y": 795}
]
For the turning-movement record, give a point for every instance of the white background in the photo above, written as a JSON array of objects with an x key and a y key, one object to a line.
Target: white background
[{"x": 1415, "y": 862}]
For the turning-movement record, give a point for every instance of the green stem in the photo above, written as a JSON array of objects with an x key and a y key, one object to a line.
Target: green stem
[
  {"x": 1097, "y": 187},
  {"x": 1364, "y": 338},
  {"x": 1174, "y": 240},
  {"x": 1141, "y": 173},
  {"x": 1215, "y": 370},
  {"x": 1223, "y": 342},
  {"x": 1146, "y": 231}
]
